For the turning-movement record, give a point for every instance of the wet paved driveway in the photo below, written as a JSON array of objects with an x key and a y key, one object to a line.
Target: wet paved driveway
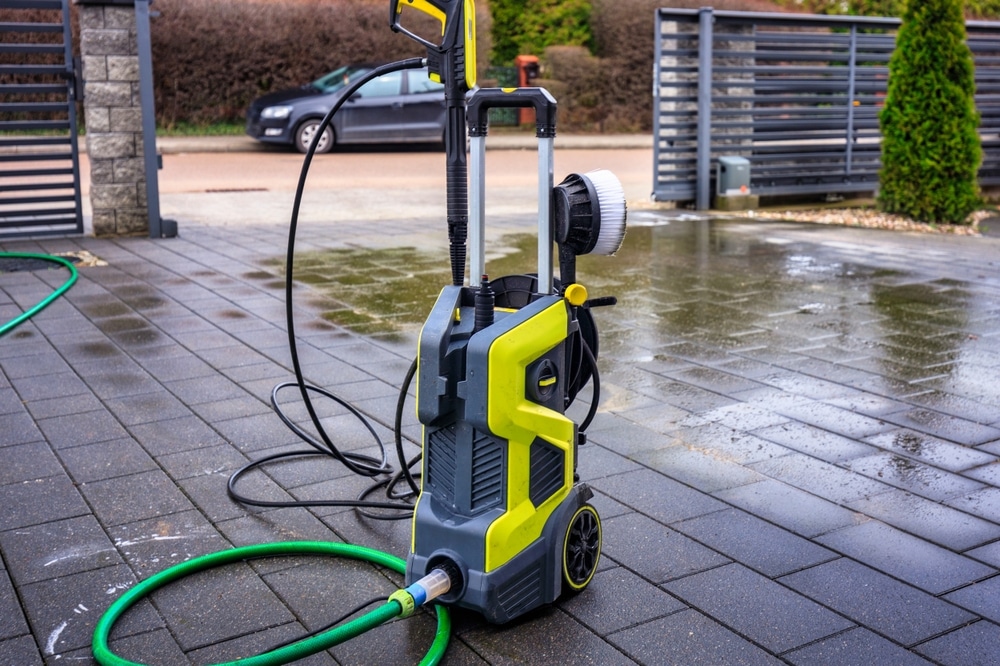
[{"x": 795, "y": 459}]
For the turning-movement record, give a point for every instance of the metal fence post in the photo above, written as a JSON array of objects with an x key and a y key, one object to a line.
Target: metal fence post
[
  {"x": 704, "y": 154},
  {"x": 851, "y": 78},
  {"x": 143, "y": 42}
]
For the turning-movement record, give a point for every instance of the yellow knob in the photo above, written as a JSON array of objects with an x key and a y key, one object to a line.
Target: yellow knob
[{"x": 576, "y": 294}]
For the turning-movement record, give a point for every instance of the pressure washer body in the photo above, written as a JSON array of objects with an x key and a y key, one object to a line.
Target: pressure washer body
[{"x": 501, "y": 510}]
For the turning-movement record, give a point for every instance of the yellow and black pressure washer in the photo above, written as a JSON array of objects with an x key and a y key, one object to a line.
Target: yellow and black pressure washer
[{"x": 501, "y": 510}]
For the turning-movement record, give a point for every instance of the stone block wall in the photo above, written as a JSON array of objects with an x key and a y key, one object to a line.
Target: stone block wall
[{"x": 113, "y": 117}]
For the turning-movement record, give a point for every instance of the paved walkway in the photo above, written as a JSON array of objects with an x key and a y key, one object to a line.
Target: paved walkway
[{"x": 795, "y": 489}]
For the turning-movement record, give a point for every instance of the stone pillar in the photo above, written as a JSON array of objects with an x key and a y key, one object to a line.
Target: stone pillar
[{"x": 113, "y": 117}]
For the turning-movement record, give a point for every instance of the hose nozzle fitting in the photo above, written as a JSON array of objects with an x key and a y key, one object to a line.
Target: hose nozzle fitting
[{"x": 423, "y": 591}]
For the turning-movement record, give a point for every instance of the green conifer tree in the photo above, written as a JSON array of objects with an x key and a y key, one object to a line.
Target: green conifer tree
[{"x": 930, "y": 145}]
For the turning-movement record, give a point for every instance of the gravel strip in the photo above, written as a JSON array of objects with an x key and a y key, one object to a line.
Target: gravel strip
[{"x": 872, "y": 219}]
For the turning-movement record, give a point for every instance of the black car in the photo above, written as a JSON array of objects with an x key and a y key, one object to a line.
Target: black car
[{"x": 401, "y": 107}]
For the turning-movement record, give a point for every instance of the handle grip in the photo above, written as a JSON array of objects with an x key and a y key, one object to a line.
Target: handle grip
[{"x": 484, "y": 99}]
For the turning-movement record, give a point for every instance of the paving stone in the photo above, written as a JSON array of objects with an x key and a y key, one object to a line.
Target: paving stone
[
  {"x": 657, "y": 496},
  {"x": 34, "y": 365},
  {"x": 628, "y": 438},
  {"x": 594, "y": 462},
  {"x": 856, "y": 646},
  {"x": 58, "y": 548},
  {"x": 219, "y": 604},
  {"x": 150, "y": 546},
  {"x": 21, "y": 651},
  {"x": 63, "y": 611},
  {"x": 982, "y": 598},
  {"x": 815, "y": 442},
  {"x": 906, "y": 557},
  {"x": 729, "y": 443},
  {"x": 10, "y": 402},
  {"x": 989, "y": 473},
  {"x": 878, "y": 602},
  {"x": 209, "y": 388},
  {"x": 208, "y": 492},
  {"x": 913, "y": 476},
  {"x": 12, "y": 621},
  {"x": 105, "y": 460},
  {"x": 63, "y": 406},
  {"x": 18, "y": 428},
  {"x": 689, "y": 637},
  {"x": 655, "y": 552},
  {"x": 820, "y": 478},
  {"x": 175, "y": 435},
  {"x": 58, "y": 385},
  {"x": 750, "y": 541},
  {"x": 550, "y": 637},
  {"x": 990, "y": 554},
  {"x": 600, "y": 606},
  {"x": 931, "y": 450},
  {"x": 760, "y": 609},
  {"x": 141, "y": 647},
  {"x": 836, "y": 420},
  {"x": 116, "y": 380},
  {"x": 127, "y": 499},
  {"x": 224, "y": 410},
  {"x": 703, "y": 470},
  {"x": 255, "y": 433},
  {"x": 147, "y": 408},
  {"x": 934, "y": 522},
  {"x": 40, "y": 501},
  {"x": 946, "y": 427},
  {"x": 789, "y": 507},
  {"x": 966, "y": 647},
  {"x": 63, "y": 432},
  {"x": 202, "y": 461},
  {"x": 27, "y": 462},
  {"x": 257, "y": 643}
]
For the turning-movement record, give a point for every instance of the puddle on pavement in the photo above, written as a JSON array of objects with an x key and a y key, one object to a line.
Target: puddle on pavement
[{"x": 717, "y": 286}]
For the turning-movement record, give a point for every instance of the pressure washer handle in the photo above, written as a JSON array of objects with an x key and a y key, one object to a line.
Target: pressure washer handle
[{"x": 484, "y": 99}]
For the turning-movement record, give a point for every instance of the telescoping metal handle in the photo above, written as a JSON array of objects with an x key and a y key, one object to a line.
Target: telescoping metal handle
[{"x": 478, "y": 106}]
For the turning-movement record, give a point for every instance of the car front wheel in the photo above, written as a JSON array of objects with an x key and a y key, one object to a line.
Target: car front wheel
[{"x": 306, "y": 133}]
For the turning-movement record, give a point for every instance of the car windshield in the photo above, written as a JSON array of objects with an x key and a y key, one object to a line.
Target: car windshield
[{"x": 338, "y": 78}]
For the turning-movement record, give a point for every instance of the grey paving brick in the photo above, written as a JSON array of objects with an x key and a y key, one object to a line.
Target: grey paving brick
[
  {"x": 256, "y": 643},
  {"x": 913, "y": 476},
  {"x": 233, "y": 408},
  {"x": 689, "y": 637},
  {"x": 629, "y": 438},
  {"x": 149, "y": 546},
  {"x": 202, "y": 461},
  {"x": 58, "y": 385},
  {"x": 835, "y": 484},
  {"x": 147, "y": 408},
  {"x": 856, "y": 646},
  {"x": 655, "y": 552},
  {"x": 105, "y": 460},
  {"x": 937, "y": 523},
  {"x": 974, "y": 645},
  {"x": 951, "y": 428},
  {"x": 990, "y": 554},
  {"x": 40, "y": 501},
  {"x": 878, "y": 602},
  {"x": 10, "y": 402},
  {"x": 731, "y": 444},
  {"x": 984, "y": 503},
  {"x": 767, "y": 613},
  {"x": 63, "y": 611},
  {"x": 931, "y": 450},
  {"x": 835, "y": 419},
  {"x": 141, "y": 647},
  {"x": 989, "y": 473},
  {"x": 18, "y": 428},
  {"x": 594, "y": 462},
  {"x": 254, "y": 433},
  {"x": 906, "y": 557},
  {"x": 58, "y": 548},
  {"x": 64, "y": 432},
  {"x": 21, "y": 651},
  {"x": 550, "y": 637},
  {"x": 27, "y": 462},
  {"x": 600, "y": 606},
  {"x": 205, "y": 389},
  {"x": 227, "y": 601},
  {"x": 12, "y": 621},
  {"x": 63, "y": 406},
  {"x": 749, "y": 540},
  {"x": 175, "y": 435},
  {"x": 34, "y": 365},
  {"x": 185, "y": 367},
  {"x": 982, "y": 598},
  {"x": 127, "y": 499},
  {"x": 815, "y": 442},
  {"x": 789, "y": 507},
  {"x": 114, "y": 381},
  {"x": 208, "y": 492},
  {"x": 655, "y": 495}
]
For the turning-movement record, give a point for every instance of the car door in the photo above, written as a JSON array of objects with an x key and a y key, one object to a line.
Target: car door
[
  {"x": 424, "y": 113},
  {"x": 374, "y": 113}
]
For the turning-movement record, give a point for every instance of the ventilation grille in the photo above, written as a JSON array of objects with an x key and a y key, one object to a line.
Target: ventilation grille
[
  {"x": 487, "y": 472},
  {"x": 546, "y": 471},
  {"x": 441, "y": 464},
  {"x": 523, "y": 592}
]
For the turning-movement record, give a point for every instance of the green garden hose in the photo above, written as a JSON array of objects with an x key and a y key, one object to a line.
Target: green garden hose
[
  {"x": 288, "y": 653},
  {"x": 17, "y": 321}
]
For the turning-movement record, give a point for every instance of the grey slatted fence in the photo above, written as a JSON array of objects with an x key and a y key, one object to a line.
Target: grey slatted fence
[{"x": 796, "y": 95}]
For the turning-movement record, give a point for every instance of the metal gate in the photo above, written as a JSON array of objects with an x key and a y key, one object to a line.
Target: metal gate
[
  {"x": 796, "y": 95},
  {"x": 39, "y": 160}
]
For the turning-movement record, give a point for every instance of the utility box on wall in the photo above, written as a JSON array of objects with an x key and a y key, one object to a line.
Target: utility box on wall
[{"x": 732, "y": 176}]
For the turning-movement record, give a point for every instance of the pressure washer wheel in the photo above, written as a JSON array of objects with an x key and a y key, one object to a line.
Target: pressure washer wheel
[{"x": 581, "y": 549}]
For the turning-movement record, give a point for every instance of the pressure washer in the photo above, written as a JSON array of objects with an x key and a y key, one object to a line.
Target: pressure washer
[{"x": 501, "y": 523}]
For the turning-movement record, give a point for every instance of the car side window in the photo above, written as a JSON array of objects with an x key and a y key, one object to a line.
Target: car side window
[
  {"x": 417, "y": 81},
  {"x": 384, "y": 86}
]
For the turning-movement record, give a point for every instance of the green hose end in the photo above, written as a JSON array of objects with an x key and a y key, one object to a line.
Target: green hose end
[{"x": 299, "y": 650}]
